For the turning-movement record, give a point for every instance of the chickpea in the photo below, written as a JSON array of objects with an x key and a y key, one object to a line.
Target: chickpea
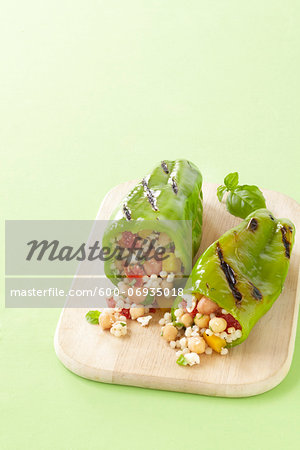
[
  {"x": 168, "y": 286},
  {"x": 196, "y": 344},
  {"x": 206, "y": 306},
  {"x": 106, "y": 319},
  {"x": 163, "y": 239},
  {"x": 202, "y": 320},
  {"x": 187, "y": 320},
  {"x": 137, "y": 312},
  {"x": 169, "y": 332},
  {"x": 218, "y": 324},
  {"x": 152, "y": 265}
]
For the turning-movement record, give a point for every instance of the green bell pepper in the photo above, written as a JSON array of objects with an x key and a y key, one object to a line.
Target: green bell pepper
[
  {"x": 245, "y": 269},
  {"x": 170, "y": 200}
]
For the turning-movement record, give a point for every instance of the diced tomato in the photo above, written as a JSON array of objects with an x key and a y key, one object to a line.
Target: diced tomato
[
  {"x": 125, "y": 312},
  {"x": 194, "y": 312},
  {"x": 111, "y": 303},
  {"x": 135, "y": 271},
  {"x": 127, "y": 240},
  {"x": 152, "y": 310},
  {"x": 231, "y": 321},
  {"x": 138, "y": 282}
]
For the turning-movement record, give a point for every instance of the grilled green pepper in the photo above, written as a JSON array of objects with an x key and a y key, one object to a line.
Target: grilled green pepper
[
  {"x": 245, "y": 269},
  {"x": 170, "y": 200}
]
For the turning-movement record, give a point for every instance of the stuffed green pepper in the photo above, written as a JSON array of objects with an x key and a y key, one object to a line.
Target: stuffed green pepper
[
  {"x": 163, "y": 211},
  {"x": 234, "y": 283}
]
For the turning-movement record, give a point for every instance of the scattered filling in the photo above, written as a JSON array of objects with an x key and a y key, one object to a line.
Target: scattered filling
[
  {"x": 145, "y": 280},
  {"x": 203, "y": 327},
  {"x": 115, "y": 319},
  {"x": 198, "y": 325}
]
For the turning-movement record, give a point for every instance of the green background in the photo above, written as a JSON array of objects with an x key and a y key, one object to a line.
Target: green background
[{"x": 94, "y": 93}]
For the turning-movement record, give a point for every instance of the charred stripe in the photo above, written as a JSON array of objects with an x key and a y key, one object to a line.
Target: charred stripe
[
  {"x": 256, "y": 292},
  {"x": 252, "y": 225},
  {"x": 286, "y": 242},
  {"x": 150, "y": 195},
  {"x": 174, "y": 186},
  {"x": 164, "y": 167},
  {"x": 127, "y": 212},
  {"x": 229, "y": 274}
]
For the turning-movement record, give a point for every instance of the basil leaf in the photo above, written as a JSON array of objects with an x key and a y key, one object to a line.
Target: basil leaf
[
  {"x": 231, "y": 180},
  {"x": 220, "y": 192},
  {"x": 182, "y": 361},
  {"x": 241, "y": 200},
  {"x": 93, "y": 317},
  {"x": 245, "y": 199}
]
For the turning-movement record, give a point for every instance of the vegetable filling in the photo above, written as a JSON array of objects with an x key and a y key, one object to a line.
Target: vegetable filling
[
  {"x": 147, "y": 267},
  {"x": 198, "y": 328}
]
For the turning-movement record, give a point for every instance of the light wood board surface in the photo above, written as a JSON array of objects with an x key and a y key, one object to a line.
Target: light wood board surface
[{"x": 144, "y": 359}]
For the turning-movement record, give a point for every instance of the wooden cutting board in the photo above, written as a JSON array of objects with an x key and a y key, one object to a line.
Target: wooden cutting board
[{"x": 144, "y": 359}]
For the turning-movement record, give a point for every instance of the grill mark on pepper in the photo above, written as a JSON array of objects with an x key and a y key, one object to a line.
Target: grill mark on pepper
[
  {"x": 286, "y": 242},
  {"x": 174, "y": 186},
  {"x": 229, "y": 274},
  {"x": 256, "y": 292},
  {"x": 164, "y": 167},
  {"x": 271, "y": 217},
  {"x": 127, "y": 212},
  {"x": 252, "y": 225},
  {"x": 150, "y": 195}
]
